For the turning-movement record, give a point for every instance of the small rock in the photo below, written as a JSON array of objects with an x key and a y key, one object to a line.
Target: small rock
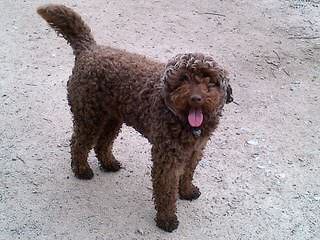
[
  {"x": 255, "y": 155},
  {"x": 253, "y": 142},
  {"x": 308, "y": 122},
  {"x": 297, "y": 196},
  {"x": 317, "y": 198},
  {"x": 280, "y": 176},
  {"x": 140, "y": 231},
  {"x": 296, "y": 82},
  {"x": 244, "y": 130}
]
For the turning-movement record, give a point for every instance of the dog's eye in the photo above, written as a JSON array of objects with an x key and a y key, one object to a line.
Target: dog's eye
[
  {"x": 213, "y": 85},
  {"x": 203, "y": 75},
  {"x": 183, "y": 78}
]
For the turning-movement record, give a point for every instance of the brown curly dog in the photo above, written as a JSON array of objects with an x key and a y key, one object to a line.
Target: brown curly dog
[{"x": 175, "y": 106}]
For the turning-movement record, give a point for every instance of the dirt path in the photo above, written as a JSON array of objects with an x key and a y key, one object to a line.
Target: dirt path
[{"x": 260, "y": 176}]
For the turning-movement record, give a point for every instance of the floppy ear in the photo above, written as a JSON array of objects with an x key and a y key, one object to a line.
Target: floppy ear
[
  {"x": 229, "y": 94},
  {"x": 222, "y": 76}
]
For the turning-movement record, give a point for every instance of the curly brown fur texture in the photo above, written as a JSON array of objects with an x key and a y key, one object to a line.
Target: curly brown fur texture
[{"x": 109, "y": 87}]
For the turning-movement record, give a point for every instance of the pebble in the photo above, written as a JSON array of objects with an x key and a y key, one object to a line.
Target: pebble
[
  {"x": 317, "y": 198},
  {"x": 253, "y": 142},
  {"x": 255, "y": 155},
  {"x": 244, "y": 130},
  {"x": 140, "y": 231},
  {"x": 280, "y": 176},
  {"x": 296, "y": 82}
]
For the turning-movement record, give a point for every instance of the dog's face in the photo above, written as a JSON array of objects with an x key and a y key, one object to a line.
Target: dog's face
[{"x": 195, "y": 88}]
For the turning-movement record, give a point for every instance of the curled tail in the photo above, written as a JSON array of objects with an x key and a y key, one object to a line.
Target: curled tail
[{"x": 69, "y": 24}]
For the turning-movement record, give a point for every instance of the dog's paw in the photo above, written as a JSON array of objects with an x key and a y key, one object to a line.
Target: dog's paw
[
  {"x": 86, "y": 174},
  {"x": 113, "y": 167},
  {"x": 193, "y": 194},
  {"x": 168, "y": 224}
]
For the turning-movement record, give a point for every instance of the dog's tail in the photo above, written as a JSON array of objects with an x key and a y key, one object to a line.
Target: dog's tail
[{"x": 69, "y": 24}]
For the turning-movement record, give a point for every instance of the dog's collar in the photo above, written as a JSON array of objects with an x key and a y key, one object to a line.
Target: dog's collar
[{"x": 196, "y": 132}]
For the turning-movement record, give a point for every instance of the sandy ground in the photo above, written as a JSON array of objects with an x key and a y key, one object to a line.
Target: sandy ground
[{"x": 260, "y": 176}]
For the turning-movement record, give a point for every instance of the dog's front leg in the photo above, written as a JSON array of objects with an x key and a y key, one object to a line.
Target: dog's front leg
[
  {"x": 187, "y": 190},
  {"x": 165, "y": 178}
]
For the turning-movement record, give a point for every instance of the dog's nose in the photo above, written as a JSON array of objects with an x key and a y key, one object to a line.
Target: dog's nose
[{"x": 196, "y": 98}]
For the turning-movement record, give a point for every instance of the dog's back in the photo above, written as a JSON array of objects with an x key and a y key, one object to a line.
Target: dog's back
[
  {"x": 116, "y": 77},
  {"x": 102, "y": 74}
]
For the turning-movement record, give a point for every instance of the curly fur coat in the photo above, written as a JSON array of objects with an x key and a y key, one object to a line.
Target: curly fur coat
[{"x": 176, "y": 106}]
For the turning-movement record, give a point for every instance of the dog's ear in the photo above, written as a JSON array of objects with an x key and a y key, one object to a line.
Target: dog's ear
[
  {"x": 222, "y": 76},
  {"x": 229, "y": 94}
]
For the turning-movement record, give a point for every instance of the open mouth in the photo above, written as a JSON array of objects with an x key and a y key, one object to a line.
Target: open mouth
[{"x": 195, "y": 117}]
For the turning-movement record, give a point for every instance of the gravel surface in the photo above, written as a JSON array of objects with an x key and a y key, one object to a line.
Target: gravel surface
[{"x": 260, "y": 175}]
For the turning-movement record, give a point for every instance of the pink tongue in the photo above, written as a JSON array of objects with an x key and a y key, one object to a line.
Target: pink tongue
[{"x": 195, "y": 117}]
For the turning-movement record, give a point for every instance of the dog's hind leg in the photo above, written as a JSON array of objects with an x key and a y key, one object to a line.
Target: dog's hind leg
[
  {"x": 103, "y": 148},
  {"x": 187, "y": 190},
  {"x": 82, "y": 142}
]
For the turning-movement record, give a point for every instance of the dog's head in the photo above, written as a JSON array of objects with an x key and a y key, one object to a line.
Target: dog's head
[{"x": 195, "y": 88}]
